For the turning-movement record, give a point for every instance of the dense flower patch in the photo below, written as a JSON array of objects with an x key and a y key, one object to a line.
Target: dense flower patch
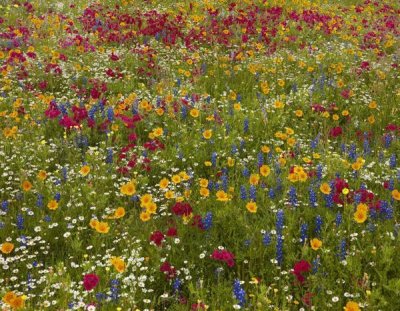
[{"x": 194, "y": 155}]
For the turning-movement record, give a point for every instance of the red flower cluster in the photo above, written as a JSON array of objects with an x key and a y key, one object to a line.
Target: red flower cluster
[
  {"x": 224, "y": 255},
  {"x": 168, "y": 270},
  {"x": 157, "y": 237},
  {"x": 299, "y": 269},
  {"x": 182, "y": 209},
  {"x": 90, "y": 281}
]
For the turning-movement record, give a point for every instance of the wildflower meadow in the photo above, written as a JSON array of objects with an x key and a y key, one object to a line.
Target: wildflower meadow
[{"x": 199, "y": 155}]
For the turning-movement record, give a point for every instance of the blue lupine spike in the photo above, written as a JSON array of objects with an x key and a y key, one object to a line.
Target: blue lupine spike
[
  {"x": 243, "y": 192},
  {"x": 39, "y": 200},
  {"x": 239, "y": 293},
  {"x": 293, "y": 196},
  {"x": 393, "y": 161},
  {"x": 266, "y": 239},
  {"x": 207, "y": 221},
  {"x": 303, "y": 232},
  {"x": 253, "y": 193},
  {"x": 312, "y": 197},
  {"x": 318, "y": 225},
  {"x": 338, "y": 219}
]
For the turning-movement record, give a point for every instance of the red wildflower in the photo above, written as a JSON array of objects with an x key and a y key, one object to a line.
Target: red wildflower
[
  {"x": 182, "y": 209},
  {"x": 90, "y": 281},
  {"x": 157, "y": 237},
  {"x": 224, "y": 255},
  {"x": 300, "y": 268}
]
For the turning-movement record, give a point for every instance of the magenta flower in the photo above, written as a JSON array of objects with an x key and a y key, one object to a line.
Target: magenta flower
[{"x": 90, "y": 281}]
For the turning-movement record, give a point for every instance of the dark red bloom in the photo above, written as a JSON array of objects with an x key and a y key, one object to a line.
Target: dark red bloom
[
  {"x": 90, "y": 281},
  {"x": 224, "y": 255},
  {"x": 157, "y": 237},
  {"x": 300, "y": 268},
  {"x": 168, "y": 270},
  {"x": 182, "y": 209},
  {"x": 172, "y": 232},
  {"x": 336, "y": 131}
]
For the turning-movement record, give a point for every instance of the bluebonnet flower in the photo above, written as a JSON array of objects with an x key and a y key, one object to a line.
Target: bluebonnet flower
[
  {"x": 293, "y": 196},
  {"x": 114, "y": 290},
  {"x": 39, "y": 200},
  {"x": 393, "y": 161},
  {"x": 266, "y": 239},
  {"x": 391, "y": 184},
  {"x": 110, "y": 114},
  {"x": 20, "y": 222},
  {"x": 338, "y": 219},
  {"x": 279, "y": 249},
  {"x": 47, "y": 218},
  {"x": 246, "y": 125},
  {"x": 280, "y": 218},
  {"x": 343, "y": 148},
  {"x": 388, "y": 140},
  {"x": 318, "y": 225},
  {"x": 184, "y": 112},
  {"x": 4, "y": 206},
  {"x": 210, "y": 185},
  {"x": 246, "y": 172},
  {"x": 315, "y": 265},
  {"x": 271, "y": 193},
  {"x": 57, "y": 196},
  {"x": 279, "y": 230},
  {"x": 342, "y": 250},
  {"x": 279, "y": 185},
  {"x": 109, "y": 157},
  {"x": 224, "y": 179},
  {"x": 243, "y": 192},
  {"x": 234, "y": 149},
  {"x": 214, "y": 159},
  {"x": 303, "y": 232},
  {"x": 260, "y": 159},
  {"x": 253, "y": 193},
  {"x": 352, "y": 152},
  {"x": 319, "y": 172},
  {"x": 313, "y": 197},
  {"x": 176, "y": 285},
  {"x": 207, "y": 221},
  {"x": 239, "y": 293}
]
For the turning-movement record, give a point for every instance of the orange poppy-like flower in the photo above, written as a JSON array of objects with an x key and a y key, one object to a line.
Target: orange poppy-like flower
[
  {"x": 118, "y": 264},
  {"x": 265, "y": 170},
  {"x": 53, "y": 205},
  {"x": 26, "y": 185},
  {"x": 102, "y": 227},
  {"x": 251, "y": 207},
  {"x": 119, "y": 212},
  {"x": 315, "y": 244},
  {"x": 128, "y": 188},
  {"x": 144, "y": 216},
  {"x": 7, "y": 247},
  {"x": 396, "y": 194},
  {"x": 8, "y": 297},
  {"x": 222, "y": 196},
  {"x": 254, "y": 179},
  {"x": 325, "y": 188},
  {"x": 164, "y": 183},
  {"x": 207, "y": 134},
  {"x": 204, "y": 192},
  {"x": 42, "y": 175},
  {"x": 352, "y": 306},
  {"x": 360, "y": 216},
  {"x": 84, "y": 170}
]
